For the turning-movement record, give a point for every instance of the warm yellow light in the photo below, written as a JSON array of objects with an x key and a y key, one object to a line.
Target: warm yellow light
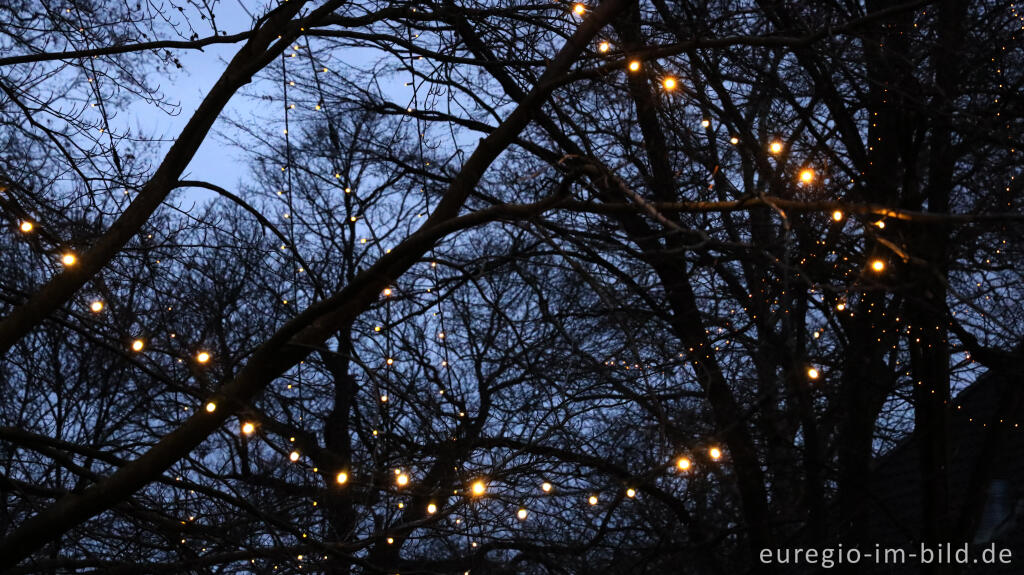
[
  {"x": 806, "y": 175},
  {"x": 813, "y": 373},
  {"x": 431, "y": 508},
  {"x": 592, "y": 500},
  {"x": 837, "y": 215},
  {"x": 604, "y": 47},
  {"x": 579, "y": 9},
  {"x": 68, "y": 259},
  {"x": 341, "y": 478},
  {"x": 391, "y": 540},
  {"x": 248, "y": 428},
  {"x": 384, "y": 398},
  {"x": 402, "y": 480},
  {"x": 634, "y": 66},
  {"x": 840, "y": 306},
  {"x": 203, "y": 357},
  {"x": 878, "y": 265},
  {"x": 26, "y": 226},
  {"x": 880, "y": 224},
  {"x": 545, "y": 487},
  {"x": 683, "y": 463},
  {"x": 386, "y": 292},
  {"x": 293, "y": 456},
  {"x": 96, "y": 306},
  {"x": 705, "y": 123},
  {"x": 211, "y": 407},
  {"x": 522, "y": 513},
  {"x": 391, "y": 361},
  {"x": 775, "y": 147},
  {"x": 669, "y": 83},
  {"x": 479, "y": 487},
  {"x": 631, "y": 493},
  {"x": 715, "y": 453},
  {"x": 734, "y": 140},
  {"x": 137, "y": 345}
]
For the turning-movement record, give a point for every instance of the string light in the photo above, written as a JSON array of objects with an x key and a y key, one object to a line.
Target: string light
[
  {"x": 813, "y": 373},
  {"x": 211, "y": 407},
  {"x": 880, "y": 224},
  {"x": 138, "y": 344},
  {"x": 705, "y": 123},
  {"x": 604, "y": 47},
  {"x": 669, "y": 84},
  {"x": 402, "y": 480},
  {"x": 26, "y": 226},
  {"x": 96, "y": 306},
  {"x": 431, "y": 509},
  {"x": 479, "y": 487},
  {"x": 631, "y": 493},
  {"x": 775, "y": 147},
  {"x": 806, "y": 175},
  {"x": 522, "y": 513},
  {"x": 545, "y": 487},
  {"x": 68, "y": 259},
  {"x": 634, "y": 66},
  {"x": 837, "y": 215},
  {"x": 715, "y": 453},
  {"x": 579, "y": 9},
  {"x": 386, "y": 292},
  {"x": 248, "y": 428},
  {"x": 592, "y": 500},
  {"x": 878, "y": 265},
  {"x": 293, "y": 456},
  {"x": 683, "y": 463},
  {"x": 341, "y": 478},
  {"x": 840, "y": 306},
  {"x": 203, "y": 357},
  {"x": 734, "y": 140}
]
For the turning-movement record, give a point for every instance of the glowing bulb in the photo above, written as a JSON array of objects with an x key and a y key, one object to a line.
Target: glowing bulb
[
  {"x": 96, "y": 306},
  {"x": 341, "y": 478},
  {"x": 837, "y": 215},
  {"x": 715, "y": 453},
  {"x": 880, "y": 224},
  {"x": 391, "y": 361},
  {"x": 579, "y": 9},
  {"x": 634, "y": 66},
  {"x": 521, "y": 514},
  {"x": 545, "y": 487},
  {"x": 705, "y": 123},
  {"x": 431, "y": 508},
  {"x": 203, "y": 357},
  {"x": 211, "y": 407},
  {"x": 402, "y": 480},
  {"x": 68, "y": 259},
  {"x": 26, "y": 226},
  {"x": 775, "y": 147},
  {"x": 683, "y": 463},
  {"x": 391, "y": 540},
  {"x": 806, "y": 175},
  {"x": 734, "y": 140},
  {"x": 669, "y": 84},
  {"x": 293, "y": 456},
  {"x": 592, "y": 500},
  {"x": 384, "y": 398},
  {"x": 479, "y": 487},
  {"x": 604, "y": 47},
  {"x": 137, "y": 345},
  {"x": 248, "y": 428},
  {"x": 386, "y": 292},
  {"x": 813, "y": 373},
  {"x": 631, "y": 493},
  {"x": 878, "y": 265},
  {"x": 840, "y": 306}
]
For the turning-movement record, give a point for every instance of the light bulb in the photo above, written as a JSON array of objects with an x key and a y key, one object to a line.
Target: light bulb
[
  {"x": 479, "y": 487},
  {"x": 431, "y": 508},
  {"x": 837, "y": 215},
  {"x": 604, "y": 47},
  {"x": 248, "y": 428},
  {"x": 683, "y": 463},
  {"x": 813, "y": 373},
  {"x": 545, "y": 487},
  {"x": 96, "y": 306},
  {"x": 26, "y": 226},
  {"x": 341, "y": 478},
  {"x": 579, "y": 9},
  {"x": 522, "y": 513},
  {"x": 402, "y": 480},
  {"x": 137, "y": 345},
  {"x": 840, "y": 306},
  {"x": 634, "y": 66},
  {"x": 293, "y": 456},
  {"x": 68, "y": 259},
  {"x": 669, "y": 84},
  {"x": 734, "y": 140},
  {"x": 705, "y": 123},
  {"x": 775, "y": 147},
  {"x": 715, "y": 453},
  {"x": 386, "y": 292},
  {"x": 592, "y": 500},
  {"x": 211, "y": 407},
  {"x": 878, "y": 265},
  {"x": 203, "y": 357},
  {"x": 631, "y": 493},
  {"x": 806, "y": 175}
]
